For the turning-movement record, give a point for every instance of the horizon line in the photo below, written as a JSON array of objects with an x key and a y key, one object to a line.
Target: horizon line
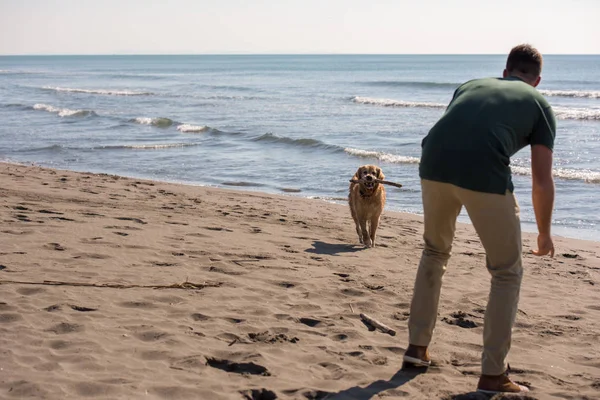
[{"x": 274, "y": 54}]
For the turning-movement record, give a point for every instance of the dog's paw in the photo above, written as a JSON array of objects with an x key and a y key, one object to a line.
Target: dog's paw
[{"x": 368, "y": 243}]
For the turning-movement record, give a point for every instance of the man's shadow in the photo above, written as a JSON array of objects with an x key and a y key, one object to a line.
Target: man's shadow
[
  {"x": 333, "y": 249},
  {"x": 359, "y": 393},
  {"x": 400, "y": 378}
]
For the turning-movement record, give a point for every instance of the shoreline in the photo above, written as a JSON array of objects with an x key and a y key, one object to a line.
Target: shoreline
[
  {"x": 126, "y": 288},
  {"x": 526, "y": 227}
]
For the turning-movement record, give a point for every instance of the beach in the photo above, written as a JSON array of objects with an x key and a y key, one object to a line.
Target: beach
[{"x": 122, "y": 288}]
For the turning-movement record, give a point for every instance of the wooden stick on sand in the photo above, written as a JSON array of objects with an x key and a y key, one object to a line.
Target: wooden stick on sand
[
  {"x": 379, "y": 181},
  {"x": 377, "y": 325}
]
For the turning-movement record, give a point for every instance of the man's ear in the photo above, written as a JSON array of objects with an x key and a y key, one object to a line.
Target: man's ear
[{"x": 537, "y": 81}]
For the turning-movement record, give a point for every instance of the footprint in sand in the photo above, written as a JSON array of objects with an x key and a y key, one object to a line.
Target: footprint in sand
[
  {"x": 150, "y": 336},
  {"x": 286, "y": 285},
  {"x": 217, "y": 229},
  {"x": 65, "y": 328},
  {"x": 50, "y": 212},
  {"x": 137, "y": 220},
  {"x": 258, "y": 394},
  {"x": 340, "y": 337},
  {"x": 190, "y": 364},
  {"x": 22, "y": 217},
  {"x": 353, "y": 292},
  {"x": 54, "y": 246},
  {"x": 570, "y": 317},
  {"x": 137, "y": 304},
  {"x": 459, "y": 318},
  {"x": 30, "y": 291},
  {"x": 401, "y": 316},
  {"x": 9, "y": 318},
  {"x": 200, "y": 317},
  {"x": 310, "y": 322},
  {"x": 163, "y": 264},
  {"x": 267, "y": 337},
  {"x": 82, "y": 309},
  {"x": 238, "y": 368},
  {"x": 234, "y": 320},
  {"x": 63, "y": 219},
  {"x": 310, "y": 394}
]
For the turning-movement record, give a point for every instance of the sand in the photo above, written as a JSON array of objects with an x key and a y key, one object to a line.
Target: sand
[{"x": 117, "y": 288}]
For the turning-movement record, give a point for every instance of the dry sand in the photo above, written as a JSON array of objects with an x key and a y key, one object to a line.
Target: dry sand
[{"x": 120, "y": 288}]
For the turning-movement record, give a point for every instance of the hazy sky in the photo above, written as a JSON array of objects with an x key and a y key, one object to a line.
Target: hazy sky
[{"x": 291, "y": 26}]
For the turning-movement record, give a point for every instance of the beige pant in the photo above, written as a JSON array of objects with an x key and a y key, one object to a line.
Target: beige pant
[{"x": 496, "y": 219}]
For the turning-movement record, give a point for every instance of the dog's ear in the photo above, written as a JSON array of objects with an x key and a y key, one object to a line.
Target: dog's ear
[
  {"x": 357, "y": 173},
  {"x": 380, "y": 174}
]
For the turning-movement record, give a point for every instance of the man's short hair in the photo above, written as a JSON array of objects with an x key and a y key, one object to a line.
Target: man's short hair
[{"x": 525, "y": 59}]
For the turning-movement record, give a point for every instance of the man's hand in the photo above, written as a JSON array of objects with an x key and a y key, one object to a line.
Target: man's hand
[{"x": 545, "y": 246}]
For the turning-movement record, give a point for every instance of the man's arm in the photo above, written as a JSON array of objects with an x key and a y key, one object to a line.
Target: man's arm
[{"x": 542, "y": 196}]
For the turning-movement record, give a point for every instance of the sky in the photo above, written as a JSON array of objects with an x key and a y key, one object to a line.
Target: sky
[{"x": 297, "y": 26}]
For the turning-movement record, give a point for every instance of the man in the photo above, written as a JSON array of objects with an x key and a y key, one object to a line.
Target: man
[{"x": 465, "y": 162}]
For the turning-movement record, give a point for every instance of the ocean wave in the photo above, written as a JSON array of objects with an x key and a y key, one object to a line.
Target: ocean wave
[
  {"x": 229, "y": 87},
  {"x": 145, "y": 77},
  {"x": 13, "y": 105},
  {"x": 584, "y": 175},
  {"x": 160, "y": 122},
  {"x": 187, "y": 128},
  {"x": 416, "y": 84},
  {"x": 396, "y": 103},
  {"x": 572, "y": 93},
  {"x": 55, "y": 148},
  {"x": 302, "y": 142},
  {"x": 106, "y": 92},
  {"x": 17, "y": 72},
  {"x": 146, "y": 146},
  {"x": 381, "y": 156},
  {"x": 586, "y": 114},
  {"x": 243, "y": 184},
  {"x": 63, "y": 112}
]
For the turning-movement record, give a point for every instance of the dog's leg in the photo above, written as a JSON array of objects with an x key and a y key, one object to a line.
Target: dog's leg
[
  {"x": 374, "y": 225},
  {"x": 366, "y": 240},
  {"x": 356, "y": 224}
]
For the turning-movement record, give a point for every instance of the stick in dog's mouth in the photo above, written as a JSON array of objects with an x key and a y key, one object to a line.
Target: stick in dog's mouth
[{"x": 377, "y": 181}]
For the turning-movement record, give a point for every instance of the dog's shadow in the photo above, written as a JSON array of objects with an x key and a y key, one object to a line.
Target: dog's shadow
[{"x": 333, "y": 249}]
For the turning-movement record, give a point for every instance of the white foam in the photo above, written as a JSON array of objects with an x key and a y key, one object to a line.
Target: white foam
[
  {"x": 386, "y": 157},
  {"x": 107, "y": 92},
  {"x": 396, "y": 103},
  {"x": 159, "y": 121},
  {"x": 589, "y": 114},
  {"x": 62, "y": 112},
  {"x": 572, "y": 93},
  {"x": 144, "y": 120},
  {"x": 151, "y": 146},
  {"x": 187, "y": 128},
  {"x": 584, "y": 175}
]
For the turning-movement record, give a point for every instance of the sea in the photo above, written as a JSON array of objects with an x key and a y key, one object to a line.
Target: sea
[{"x": 296, "y": 125}]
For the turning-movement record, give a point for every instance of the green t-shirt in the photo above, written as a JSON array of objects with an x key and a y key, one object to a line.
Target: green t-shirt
[{"x": 487, "y": 121}]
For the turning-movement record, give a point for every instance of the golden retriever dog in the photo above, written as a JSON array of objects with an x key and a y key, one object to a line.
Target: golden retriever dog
[{"x": 367, "y": 199}]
